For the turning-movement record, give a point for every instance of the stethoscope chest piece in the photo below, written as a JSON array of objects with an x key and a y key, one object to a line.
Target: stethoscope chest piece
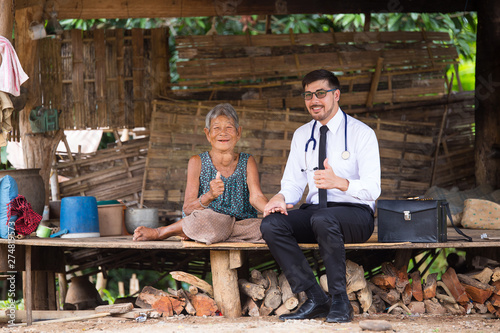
[{"x": 345, "y": 155}]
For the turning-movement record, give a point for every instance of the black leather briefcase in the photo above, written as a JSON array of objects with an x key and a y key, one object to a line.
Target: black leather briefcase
[{"x": 417, "y": 221}]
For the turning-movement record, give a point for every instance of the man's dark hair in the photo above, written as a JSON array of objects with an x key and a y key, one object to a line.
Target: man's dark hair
[{"x": 321, "y": 74}]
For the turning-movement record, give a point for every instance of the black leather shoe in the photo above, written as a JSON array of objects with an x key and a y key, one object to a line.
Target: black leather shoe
[
  {"x": 308, "y": 310},
  {"x": 340, "y": 312}
]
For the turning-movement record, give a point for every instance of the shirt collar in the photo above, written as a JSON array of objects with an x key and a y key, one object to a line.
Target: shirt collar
[{"x": 336, "y": 121}]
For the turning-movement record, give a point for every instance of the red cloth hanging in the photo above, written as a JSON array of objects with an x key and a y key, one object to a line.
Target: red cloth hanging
[{"x": 27, "y": 219}]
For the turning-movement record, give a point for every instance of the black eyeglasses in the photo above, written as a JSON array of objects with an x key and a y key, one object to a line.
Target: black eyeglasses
[{"x": 319, "y": 93}]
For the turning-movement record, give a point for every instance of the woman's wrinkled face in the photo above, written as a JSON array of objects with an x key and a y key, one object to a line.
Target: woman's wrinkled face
[{"x": 223, "y": 134}]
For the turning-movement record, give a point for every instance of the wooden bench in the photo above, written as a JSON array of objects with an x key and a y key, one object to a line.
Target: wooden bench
[{"x": 225, "y": 258}]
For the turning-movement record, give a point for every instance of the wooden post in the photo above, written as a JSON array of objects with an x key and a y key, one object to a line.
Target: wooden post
[
  {"x": 225, "y": 283},
  {"x": 6, "y": 19},
  {"x": 487, "y": 95},
  {"x": 28, "y": 296}
]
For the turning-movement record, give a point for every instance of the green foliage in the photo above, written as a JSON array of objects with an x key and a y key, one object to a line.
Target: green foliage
[
  {"x": 107, "y": 297},
  {"x": 18, "y": 304}
]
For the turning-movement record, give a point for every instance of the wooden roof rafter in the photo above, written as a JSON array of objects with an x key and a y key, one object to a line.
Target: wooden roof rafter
[{"x": 94, "y": 9}]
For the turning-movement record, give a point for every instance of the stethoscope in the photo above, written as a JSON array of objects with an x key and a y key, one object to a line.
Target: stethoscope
[{"x": 345, "y": 154}]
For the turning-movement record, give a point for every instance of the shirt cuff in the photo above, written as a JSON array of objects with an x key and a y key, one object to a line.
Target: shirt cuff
[{"x": 354, "y": 188}]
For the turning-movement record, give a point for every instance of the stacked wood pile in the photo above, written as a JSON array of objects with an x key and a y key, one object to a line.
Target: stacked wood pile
[
  {"x": 108, "y": 174},
  {"x": 399, "y": 292},
  {"x": 197, "y": 301},
  {"x": 268, "y": 293}
]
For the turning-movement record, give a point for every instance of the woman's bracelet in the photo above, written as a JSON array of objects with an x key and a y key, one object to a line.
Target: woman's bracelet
[{"x": 201, "y": 204}]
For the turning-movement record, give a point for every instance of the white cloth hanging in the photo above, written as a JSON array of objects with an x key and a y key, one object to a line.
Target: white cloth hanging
[{"x": 12, "y": 74}]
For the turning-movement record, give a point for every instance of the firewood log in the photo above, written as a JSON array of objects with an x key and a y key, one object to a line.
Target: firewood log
[
  {"x": 454, "y": 309},
  {"x": 356, "y": 307},
  {"x": 406, "y": 295},
  {"x": 416, "y": 286},
  {"x": 281, "y": 310},
  {"x": 383, "y": 281},
  {"x": 288, "y": 297},
  {"x": 257, "y": 278},
  {"x": 255, "y": 291},
  {"x": 484, "y": 276},
  {"x": 264, "y": 310},
  {"x": 476, "y": 294},
  {"x": 193, "y": 290},
  {"x": 151, "y": 298},
  {"x": 401, "y": 275},
  {"x": 251, "y": 308},
  {"x": 183, "y": 295},
  {"x": 417, "y": 307},
  {"x": 393, "y": 296},
  {"x": 195, "y": 281},
  {"x": 472, "y": 282},
  {"x": 189, "y": 306},
  {"x": 273, "y": 293},
  {"x": 302, "y": 298},
  {"x": 450, "y": 279},
  {"x": 384, "y": 295},
  {"x": 491, "y": 307},
  {"x": 480, "y": 308},
  {"x": 203, "y": 304},
  {"x": 496, "y": 274},
  {"x": 323, "y": 282},
  {"x": 365, "y": 298},
  {"x": 430, "y": 286},
  {"x": 432, "y": 306},
  {"x": 496, "y": 284},
  {"x": 355, "y": 277}
]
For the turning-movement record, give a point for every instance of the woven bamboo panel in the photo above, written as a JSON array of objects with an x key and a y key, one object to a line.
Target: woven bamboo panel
[
  {"x": 407, "y": 147},
  {"x": 264, "y": 71},
  {"x": 112, "y": 173},
  {"x": 104, "y": 78}
]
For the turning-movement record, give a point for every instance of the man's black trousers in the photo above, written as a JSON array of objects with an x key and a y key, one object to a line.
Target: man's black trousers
[{"x": 330, "y": 227}]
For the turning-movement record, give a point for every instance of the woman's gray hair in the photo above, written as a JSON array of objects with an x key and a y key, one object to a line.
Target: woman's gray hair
[{"x": 225, "y": 109}]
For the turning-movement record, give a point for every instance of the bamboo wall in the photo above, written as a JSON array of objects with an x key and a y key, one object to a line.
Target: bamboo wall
[
  {"x": 394, "y": 82},
  {"x": 407, "y": 149},
  {"x": 104, "y": 78}
]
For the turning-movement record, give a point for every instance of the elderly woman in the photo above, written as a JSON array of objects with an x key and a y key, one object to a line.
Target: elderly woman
[{"x": 222, "y": 189}]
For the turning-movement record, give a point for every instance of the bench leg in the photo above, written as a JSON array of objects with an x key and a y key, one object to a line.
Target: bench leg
[{"x": 225, "y": 281}]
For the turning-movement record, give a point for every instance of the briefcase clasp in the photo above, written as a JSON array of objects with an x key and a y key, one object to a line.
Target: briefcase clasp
[{"x": 407, "y": 215}]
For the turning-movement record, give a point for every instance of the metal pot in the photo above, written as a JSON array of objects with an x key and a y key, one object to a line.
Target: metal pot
[{"x": 136, "y": 217}]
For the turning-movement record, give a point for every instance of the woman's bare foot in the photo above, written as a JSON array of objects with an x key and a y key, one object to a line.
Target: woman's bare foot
[{"x": 146, "y": 234}]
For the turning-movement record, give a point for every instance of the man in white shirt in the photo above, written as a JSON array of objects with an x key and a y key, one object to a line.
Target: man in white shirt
[{"x": 344, "y": 182}]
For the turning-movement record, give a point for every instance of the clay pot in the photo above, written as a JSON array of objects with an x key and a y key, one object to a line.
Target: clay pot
[{"x": 30, "y": 185}]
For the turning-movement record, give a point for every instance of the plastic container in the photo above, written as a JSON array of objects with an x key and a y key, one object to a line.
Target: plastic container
[
  {"x": 111, "y": 218},
  {"x": 79, "y": 217}
]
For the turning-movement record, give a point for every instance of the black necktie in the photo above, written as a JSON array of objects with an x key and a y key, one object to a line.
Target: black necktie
[{"x": 322, "y": 156}]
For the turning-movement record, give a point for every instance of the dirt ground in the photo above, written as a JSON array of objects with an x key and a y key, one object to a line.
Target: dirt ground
[{"x": 399, "y": 323}]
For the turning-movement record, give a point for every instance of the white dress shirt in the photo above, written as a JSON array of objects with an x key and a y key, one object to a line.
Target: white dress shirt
[{"x": 361, "y": 169}]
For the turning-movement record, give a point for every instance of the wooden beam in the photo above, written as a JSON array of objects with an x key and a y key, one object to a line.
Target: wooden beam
[{"x": 91, "y": 9}]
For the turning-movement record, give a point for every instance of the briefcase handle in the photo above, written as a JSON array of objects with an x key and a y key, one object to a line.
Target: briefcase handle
[{"x": 448, "y": 212}]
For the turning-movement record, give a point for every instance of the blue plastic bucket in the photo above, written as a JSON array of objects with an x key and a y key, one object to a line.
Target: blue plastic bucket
[{"x": 79, "y": 217}]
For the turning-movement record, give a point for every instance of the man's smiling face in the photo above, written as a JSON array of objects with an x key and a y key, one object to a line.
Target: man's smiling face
[{"x": 325, "y": 108}]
